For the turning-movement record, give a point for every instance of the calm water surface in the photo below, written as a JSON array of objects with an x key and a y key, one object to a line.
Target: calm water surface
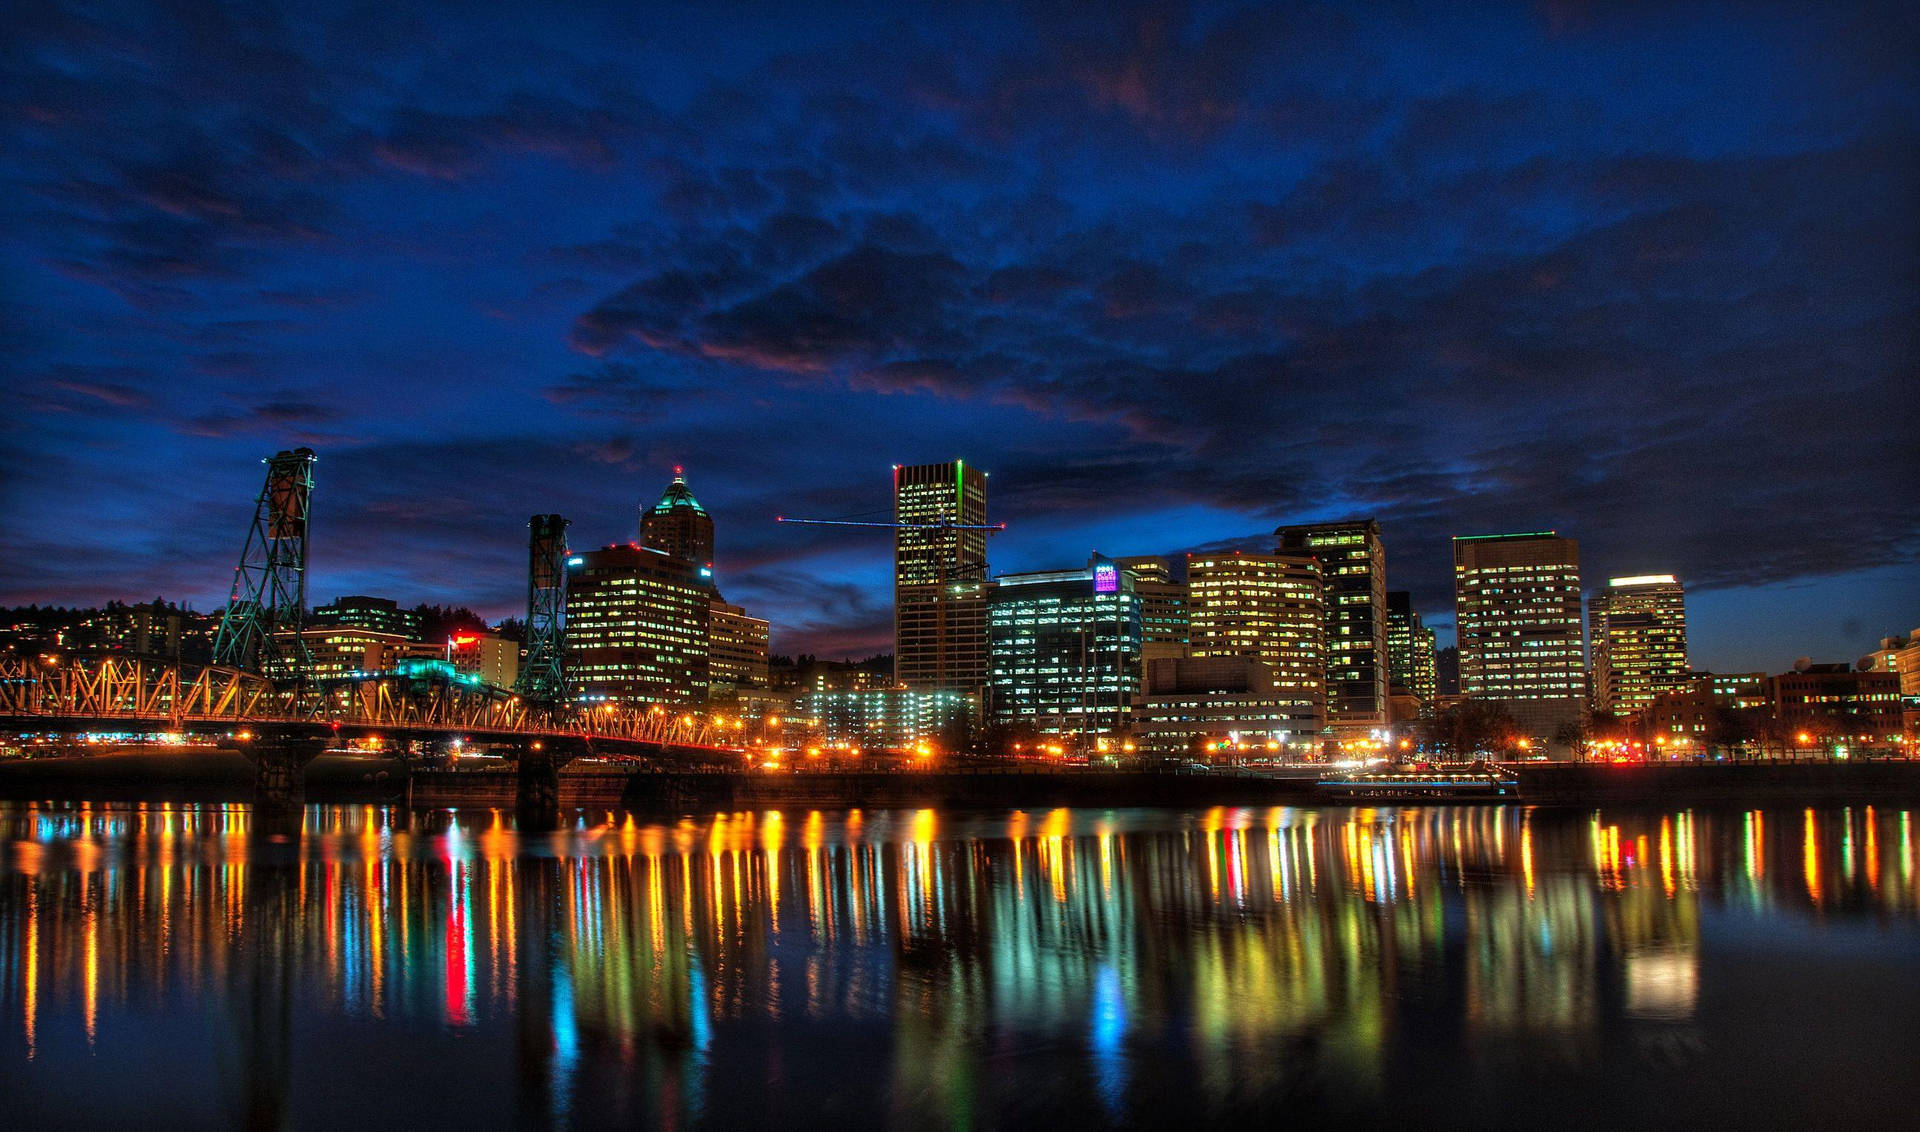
[{"x": 1458, "y": 966}]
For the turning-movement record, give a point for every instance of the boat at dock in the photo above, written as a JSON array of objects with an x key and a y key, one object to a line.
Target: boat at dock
[{"x": 1419, "y": 785}]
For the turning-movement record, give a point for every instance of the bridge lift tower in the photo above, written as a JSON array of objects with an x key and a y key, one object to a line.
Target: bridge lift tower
[
  {"x": 260, "y": 630},
  {"x": 543, "y": 679}
]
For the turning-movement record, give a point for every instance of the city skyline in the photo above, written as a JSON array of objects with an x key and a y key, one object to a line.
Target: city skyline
[
  {"x": 1637, "y": 276},
  {"x": 910, "y": 564},
  {"x": 1440, "y": 619}
]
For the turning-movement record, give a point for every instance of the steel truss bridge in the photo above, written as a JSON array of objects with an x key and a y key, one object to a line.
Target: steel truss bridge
[{"x": 132, "y": 694}]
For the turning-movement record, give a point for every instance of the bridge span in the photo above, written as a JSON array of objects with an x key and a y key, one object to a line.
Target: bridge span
[{"x": 281, "y": 727}]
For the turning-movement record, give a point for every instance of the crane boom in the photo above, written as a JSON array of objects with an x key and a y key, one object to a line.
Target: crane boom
[{"x": 990, "y": 528}]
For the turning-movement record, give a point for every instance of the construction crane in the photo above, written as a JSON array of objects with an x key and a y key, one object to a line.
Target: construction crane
[
  {"x": 942, "y": 597},
  {"x": 943, "y": 523}
]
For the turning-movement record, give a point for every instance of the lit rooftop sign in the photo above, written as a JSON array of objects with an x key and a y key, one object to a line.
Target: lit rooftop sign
[
  {"x": 1106, "y": 578},
  {"x": 1645, "y": 580}
]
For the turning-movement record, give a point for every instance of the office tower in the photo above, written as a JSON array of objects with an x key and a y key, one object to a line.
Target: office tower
[
  {"x": 679, "y": 526},
  {"x": 157, "y": 630},
  {"x": 1638, "y": 626},
  {"x": 1446, "y": 670},
  {"x": 342, "y": 651},
  {"x": 1353, "y": 569},
  {"x": 379, "y": 614},
  {"x": 1264, "y": 607},
  {"x": 1686, "y": 716},
  {"x": 1225, "y": 705},
  {"x": 1903, "y": 654},
  {"x": 884, "y": 718},
  {"x": 1164, "y": 624},
  {"x": 637, "y": 625},
  {"x": 491, "y": 659},
  {"x": 1836, "y": 705},
  {"x": 1899, "y": 655},
  {"x": 940, "y": 577},
  {"x": 1065, "y": 650},
  {"x": 1411, "y": 662},
  {"x": 736, "y": 648},
  {"x": 1517, "y": 614}
]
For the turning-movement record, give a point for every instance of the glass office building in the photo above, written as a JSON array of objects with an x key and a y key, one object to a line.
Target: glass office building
[
  {"x": 1064, "y": 650},
  {"x": 1639, "y": 630}
]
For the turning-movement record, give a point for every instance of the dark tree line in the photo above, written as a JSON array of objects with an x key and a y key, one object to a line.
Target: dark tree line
[
  {"x": 439, "y": 622},
  {"x": 1470, "y": 729}
]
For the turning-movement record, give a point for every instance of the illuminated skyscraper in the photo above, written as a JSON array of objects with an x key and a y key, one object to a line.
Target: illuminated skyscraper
[
  {"x": 1206, "y": 706},
  {"x": 382, "y": 615},
  {"x": 1517, "y": 614},
  {"x": 1837, "y": 705},
  {"x": 1353, "y": 568},
  {"x": 345, "y": 649},
  {"x": 1164, "y": 623},
  {"x": 1410, "y": 651},
  {"x": 1265, "y": 607},
  {"x": 488, "y": 657},
  {"x": 885, "y": 718},
  {"x": 940, "y": 583},
  {"x": 737, "y": 649},
  {"x": 1639, "y": 631},
  {"x": 1066, "y": 650},
  {"x": 637, "y": 626},
  {"x": 678, "y": 525}
]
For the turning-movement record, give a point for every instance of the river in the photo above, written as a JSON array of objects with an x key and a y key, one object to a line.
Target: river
[{"x": 1465, "y": 966}]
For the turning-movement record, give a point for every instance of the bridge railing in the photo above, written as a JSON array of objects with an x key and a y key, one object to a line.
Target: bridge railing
[{"x": 127, "y": 689}]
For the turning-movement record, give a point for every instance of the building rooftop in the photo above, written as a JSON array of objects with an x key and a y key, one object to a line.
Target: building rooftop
[
  {"x": 677, "y": 497},
  {"x": 1491, "y": 538}
]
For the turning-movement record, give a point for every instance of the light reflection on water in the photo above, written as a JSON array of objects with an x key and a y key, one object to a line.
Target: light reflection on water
[{"x": 1467, "y": 965}]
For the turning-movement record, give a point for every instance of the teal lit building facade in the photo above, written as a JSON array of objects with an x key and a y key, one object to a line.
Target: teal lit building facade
[
  {"x": 1064, "y": 651},
  {"x": 679, "y": 526}
]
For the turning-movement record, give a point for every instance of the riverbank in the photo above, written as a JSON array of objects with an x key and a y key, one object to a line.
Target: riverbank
[
  {"x": 1690, "y": 784},
  {"x": 224, "y": 776},
  {"x": 193, "y": 774}
]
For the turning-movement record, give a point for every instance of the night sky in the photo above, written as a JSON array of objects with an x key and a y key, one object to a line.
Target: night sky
[{"x": 1643, "y": 273}]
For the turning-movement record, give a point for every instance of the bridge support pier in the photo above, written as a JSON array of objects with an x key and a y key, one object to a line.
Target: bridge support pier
[
  {"x": 537, "y": 793},
  {"x": 280, "y": 782}
]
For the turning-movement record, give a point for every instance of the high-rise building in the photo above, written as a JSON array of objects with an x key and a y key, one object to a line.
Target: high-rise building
[
  {"x": 1353, "y": 570},
  {"x": 1517, "y": 615},
  {"x": 679, "y": 526},
  {"x": 1264, "y": 607},
  {"x": 1638, "y": 627},
  {"x": 376, "y": 613},
  {"x": 341, "y": 652},
  {"x": 1446, "y": 670},
  {"x": 1065, "y": 648},
  {"x": 637, "y": 626},
  {"x": 1203, "y": 706},
  {"x": 816, "y": 675},
  {"x": 1686, "y": 716},
  {"x": 1164, "y": 623},
  {"x": 737, "y": 649},
  {"x": 884, "y": 718},
  {"x": 1838, "y": 704},
  {"x": 940, "y": 587},
  {"x": 1411, "y": 660},
  {"x": 1902, "y": 655},
  {"x": 1899, "y": 655},
  {"x": 488, "y": 657}
]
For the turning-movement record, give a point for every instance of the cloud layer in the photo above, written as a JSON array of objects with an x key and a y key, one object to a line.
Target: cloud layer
[{"x": 1175, "y": 275}]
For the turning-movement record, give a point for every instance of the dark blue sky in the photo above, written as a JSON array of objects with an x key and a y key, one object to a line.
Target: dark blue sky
[{"x": 1644, "y": 273}]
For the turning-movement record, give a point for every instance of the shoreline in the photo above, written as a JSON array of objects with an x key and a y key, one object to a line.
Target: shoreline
[{"x": 225, "y": 777}]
